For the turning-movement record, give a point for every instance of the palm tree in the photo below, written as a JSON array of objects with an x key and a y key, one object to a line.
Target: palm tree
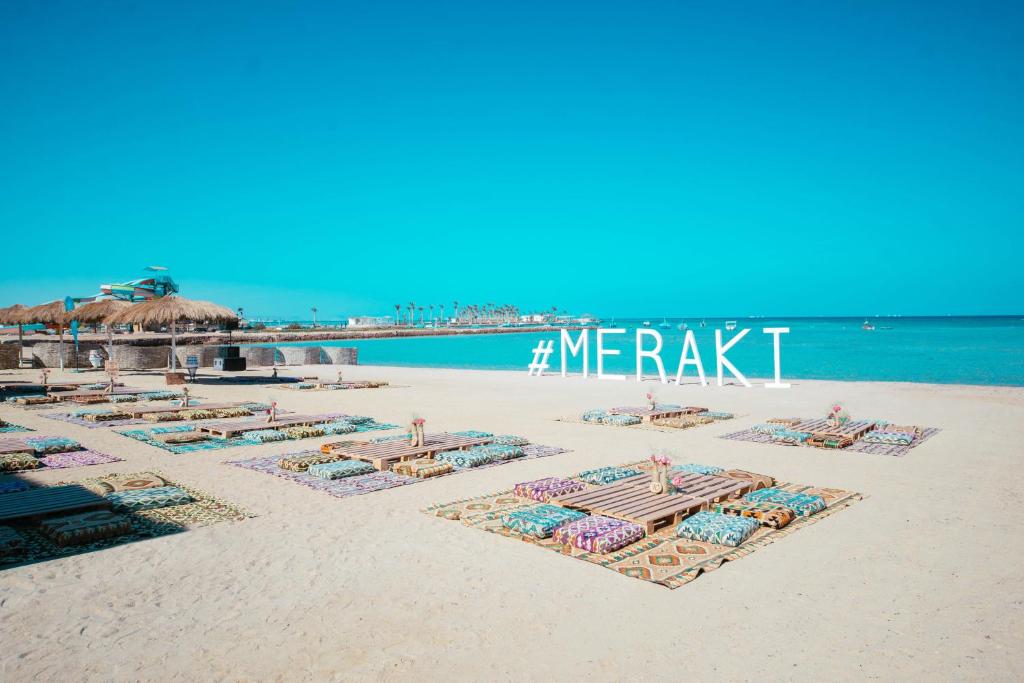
[
  {"x": 314, "y": 316},
  {"x": 421, "y": 315},
  {"x": 442, "y": 314},
  {"x": 398, "y": 314},
  {"x": 412, "y": 313},
  {"x": 455, "y": 311},
  {"x": 431, "y": 312}
]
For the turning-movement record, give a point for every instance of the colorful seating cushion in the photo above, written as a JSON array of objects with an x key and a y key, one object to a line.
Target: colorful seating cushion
[
  {"x": 106, "y": 416},
  {"x": 682, "y": 421},
  {"x": 714, "y": 527},
  {"x": 265, "y": 436},
  {"x": 695, "y": 468},
  {"x": 303, "y": 432},
  {"x": 358, "y": 419},
  {"x": 301, "y": 463},
  {"x": 606, "y": 475},
  {"x": 471, "y": 457},
  {"x": 716, "y": 415},
  {"x": 115, "y": 482},
  {"x": 11, "y": 541},
  {"x": 499, "y": 451},
  {"x": 85, "y": 527},
  {"x": 13, "y": 462},
  {"x": 621, "y": 420},
  {"x": 173, "y": 429},
  {"x": 768, "y": 428},
  {"x": 890, "y": 438},
  {"x": 336, "y": 427},
  {"x": 340, "y": 469},
  {"x": 767, "y": 514},
  {"x": 598, "y": 534},
  {"x": 801, "y": 503},
  {"x": 474, "y": 434},
  {"x": 544, "y": 489},
  {"x": 510, "y": 440},
  {"x": 52, "y": 444},
  {"x": 148, "y": 499},
  {"x": 422, "y": 468},
  {"x": 594, "y": 415},
  {"x": 788, "y": 436},
  {"x": 540, "y": 520}
]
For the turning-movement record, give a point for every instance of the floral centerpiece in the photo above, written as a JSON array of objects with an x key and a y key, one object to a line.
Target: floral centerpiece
[
  {"x": 650, "y": 401},
  {"x": 837, "y": 415},
  {"x": 659, "y": 478},
  {"x": 416, "y": 432}
]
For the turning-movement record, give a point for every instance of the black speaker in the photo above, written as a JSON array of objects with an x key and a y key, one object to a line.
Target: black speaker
[
  {"x": 228, "y": 352},
  {"x": 229, "y": 364}
]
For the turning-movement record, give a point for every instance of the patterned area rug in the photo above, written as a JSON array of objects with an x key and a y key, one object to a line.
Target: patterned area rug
[
  {"x": 202, "y": 511},
  {"x": 146, "y": 436},
  {"x": 10, "y": 427},
  {"x": 856, "y": 446},
  {"x": 367, "y": 483},
  {"x": 82, "y": 422},
  {"x": 660, "y": 558},
  {"x": 56, "y": 461},
  {"x": 643, "y": 426}
]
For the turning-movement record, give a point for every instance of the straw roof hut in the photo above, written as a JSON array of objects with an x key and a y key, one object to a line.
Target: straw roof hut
[
  {"x": 98, "y": 312},
  {"x": 52, "y": 313},
  {"x": 12, "y": 316},
  {"x": 171, "y": 310}
]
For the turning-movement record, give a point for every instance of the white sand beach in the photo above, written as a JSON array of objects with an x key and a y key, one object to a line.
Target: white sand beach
[{"x": 923, "y": 579}]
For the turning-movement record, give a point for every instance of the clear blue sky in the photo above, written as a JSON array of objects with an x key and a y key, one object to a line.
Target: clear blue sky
[{"x": 650, "y": 158}]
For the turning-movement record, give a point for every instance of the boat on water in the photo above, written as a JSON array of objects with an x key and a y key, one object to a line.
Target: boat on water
[
  {"x": 703, "y": 323},
  {"x": 647, "y": 323},
  {"x": 730, "y": 325},
  {"x": 867, "y": 326},
  {"x": 665, "y": 324}
]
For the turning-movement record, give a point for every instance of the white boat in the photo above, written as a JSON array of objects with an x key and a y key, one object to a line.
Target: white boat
[
  {"x": 647, "y": 323},
  {"x": 665, "y": 325},
  {"x": 867, "y": 326},
  {"x": 730, "y": 325},
  {"x": 703, "y": 323},
  {"x": 682, "y": 327}
]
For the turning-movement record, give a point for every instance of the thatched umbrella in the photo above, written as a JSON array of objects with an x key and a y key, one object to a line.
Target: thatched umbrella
[
  {"x": 53, "y": 313},
  {"x": 170, "y": 310},
  {"x": 12, "y": 316},
  {"x": 98, "y": 312}
]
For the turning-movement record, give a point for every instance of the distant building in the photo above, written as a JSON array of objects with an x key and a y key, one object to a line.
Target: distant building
[
  {"x": 533, "y": 318},
  {"x": 371, "y": 321}
]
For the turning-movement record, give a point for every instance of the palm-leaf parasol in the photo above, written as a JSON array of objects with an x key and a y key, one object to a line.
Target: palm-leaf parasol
[
  {"x": 52, "y": 313},
  {"x": 12, "y": 316},
  {"x": 98, "y": 312},
  {"x": 171, "y": 310}
]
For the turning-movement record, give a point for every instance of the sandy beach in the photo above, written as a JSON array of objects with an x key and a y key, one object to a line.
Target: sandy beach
[{"x": 920, "y": 580}]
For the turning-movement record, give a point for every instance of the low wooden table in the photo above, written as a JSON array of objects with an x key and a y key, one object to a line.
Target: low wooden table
[
  {"x": 631, "y": 499},
  {"x": 647, "y": 414},
  {"x": 8, "y": 446},
  {"x": 383, "y": 455},
  {"x": 52, "y": 500},
  {"x": 225, "y": 430},
  {"x": 140, "y": 410},
  {"x": 821, "y": 428}
]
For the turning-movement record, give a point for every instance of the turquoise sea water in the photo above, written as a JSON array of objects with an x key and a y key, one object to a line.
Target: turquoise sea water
[{"x": 951, "y": 350}]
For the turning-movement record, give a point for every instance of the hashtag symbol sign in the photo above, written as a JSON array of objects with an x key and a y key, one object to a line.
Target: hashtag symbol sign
[{"x": 540, "y": 357}]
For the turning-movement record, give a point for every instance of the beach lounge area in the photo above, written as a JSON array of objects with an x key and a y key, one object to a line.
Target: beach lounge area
[{"x": 653, "y": 415}]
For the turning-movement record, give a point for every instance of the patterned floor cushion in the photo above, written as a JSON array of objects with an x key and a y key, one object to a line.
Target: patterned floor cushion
[
  {"x": 148, "y": 499},
  {"x": 121, "y": 398},
  {"x": 474, "y": 434},
  {"x": 196, "y": 414},
  {"x": 694, "y": 468},
  {"x": 173, "y": 429},
  {"x": 303, "y": 432},
  {"x": 301, "y": 463},
  {"x": 621, "y": 420},
  {"x": 594, "y": 415},
  {"x": 767, "y": 428},
  {"x": 106, "y": 416},
  {"x": 785, "y": 421},
  {"x": 802, "y": 504},
  {"x": 767, "y": 514},
  {"x": 162, "y": 417},
  {"x": 606, "y": 475},
  {"x": 265, "y": 436},
  {"x": 230, "y": 412},
  {"x": 757, "y": 481},
  {"x": 789, "y": 437},
  {"x": 422, "y": 468},
  {"x": 52, "y": 444},
  {"x": 829, "y": 441},
  {"x": 389, "y": 439},
  {"x": 510, "y": 440},
  {"x": 256, "y": 407},
  {"x": 340, "y": 469},
  {"x": 713, "y": 527},
  {"x": 160, "y": 395},
  {"x": 682, "y": 422},
  {"x": 890, "y": 438},
  {"x": 499, "y": 452},
  {"x": 543, "y": 489},
  {"x": 332, "y": 428},
  {"x": 471, "y": 457},
  {"x": 598, "y": 534},
  {"x": 14, "y": 486},
  {"x": 11, "y": 542},
  {"x": 540, "y": 520},
  {"x": 14, "y": 462},
  {"x": 85, "y": 527},
  {"x": 717, "y": 415},
  {"x": 181, "y": 437},
  {"x": 358, "y": 419},
  {"x": 114, "y": 483}
]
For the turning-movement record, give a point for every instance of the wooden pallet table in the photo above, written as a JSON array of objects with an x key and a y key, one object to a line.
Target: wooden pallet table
[
  {"x": 383, "y": 455},
  {"x": 52, "y": 500},
  {"x": 140, "y": 410},
  {"x": 94, "y": 395},
  {"x": 8, "y": 446},
  {"x": 631, "y": 499},
  {"x": 820, "y": 428},
  {"x": 647, "y": 414},
  {"x": 226, "y": 430}
]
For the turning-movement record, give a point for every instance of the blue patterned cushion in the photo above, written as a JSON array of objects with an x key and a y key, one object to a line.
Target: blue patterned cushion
[
  {"x": 696, "y": 468},
  {"x": 541, "y": 520},
  {"x": 788, "y": 436},
  {"x": 340, "y": 469},
  {"x": 499, "y": 451},
  {"x": 767, "y": 428},
  {"x": 594, "y": 415},
  {"x": 474, "y": 434},
  {"x": 148, "y": 499},
  {"x": 264, "y": 435},
  {"x": 336, "y": 427},
  {"x": 173, "y": 429},
  {"x": 510, "y": 440},
  {"x": 621, "y": 420},
  {"x": 606, "y": 475},
  {"x": 801, "y": 503},
  {"x": 471, "y": 457},
  {"x": 713, "y": 527}
]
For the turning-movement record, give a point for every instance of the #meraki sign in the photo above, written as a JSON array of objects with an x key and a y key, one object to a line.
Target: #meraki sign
[{"x": 690, "y": 355}]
